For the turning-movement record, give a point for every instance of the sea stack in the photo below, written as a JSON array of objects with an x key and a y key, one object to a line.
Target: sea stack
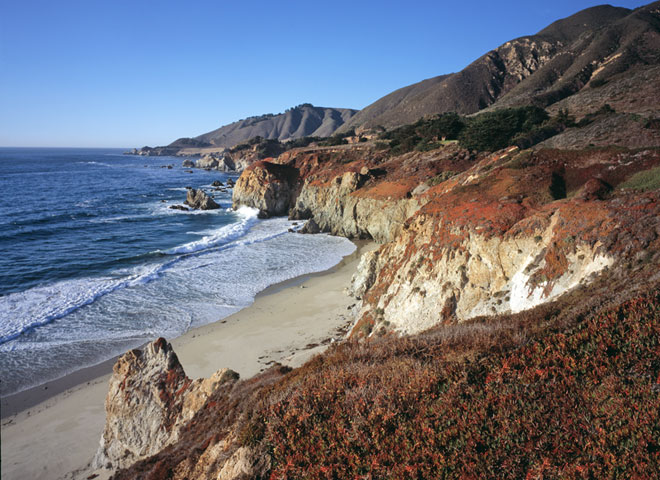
[{"x": 199, "y": 200}]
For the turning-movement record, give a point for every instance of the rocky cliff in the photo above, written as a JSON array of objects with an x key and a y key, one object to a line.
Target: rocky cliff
[
  {"x": 464, "y": 235},
  {"x": 499, "y": 239}
]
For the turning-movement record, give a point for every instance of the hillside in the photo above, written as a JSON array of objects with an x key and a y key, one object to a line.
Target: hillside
[
  {"x": 571, "y": 56},
  {"x": 304, "y": 120}
]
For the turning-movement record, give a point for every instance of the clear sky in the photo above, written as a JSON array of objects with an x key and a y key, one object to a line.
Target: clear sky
[{"x": 115, "y": 73}]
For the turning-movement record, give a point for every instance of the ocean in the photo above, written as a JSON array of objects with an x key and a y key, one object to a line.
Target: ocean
[{"x": 94, "y": 262}]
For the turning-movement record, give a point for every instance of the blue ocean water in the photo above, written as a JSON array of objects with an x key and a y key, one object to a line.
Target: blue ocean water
[{"x": 94, "y": 262}]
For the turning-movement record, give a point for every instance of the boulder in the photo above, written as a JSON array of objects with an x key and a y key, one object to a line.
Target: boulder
[
  {"x": 217, "y": 183},
  {"x": 207, "y": 161},
  {"x": 226, "y": 164},
  {"x": 197, "y": 199},
  {"x": 179, "y": 207},
  {"x": 188, "y": 163},
  {"x": 300, "y": 212},
  {"x": 594, "y": 189},
  {"x": 311, "y": 227}
]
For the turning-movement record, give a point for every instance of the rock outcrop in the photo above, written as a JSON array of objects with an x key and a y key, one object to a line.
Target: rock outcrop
[
  {"x": 196, "y": 198},
  {"x": 337, "y": 211},
  {"x": 149, "y": 400},
  {"x": 222, "y": 162},
  {"x": 270, "y": 187}
]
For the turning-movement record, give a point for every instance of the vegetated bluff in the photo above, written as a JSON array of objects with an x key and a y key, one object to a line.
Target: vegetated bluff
[
  {"x": 595, "y": 47},
  {"x": 529, "y": 283}
]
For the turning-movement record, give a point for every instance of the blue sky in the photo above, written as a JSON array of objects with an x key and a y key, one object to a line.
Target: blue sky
[{"x": 131, "y": 73}]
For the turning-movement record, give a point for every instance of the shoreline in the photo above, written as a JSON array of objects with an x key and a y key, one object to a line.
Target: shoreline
[
  {"x": 288, "y": 322},
  {"x": 16, "y": 403}
]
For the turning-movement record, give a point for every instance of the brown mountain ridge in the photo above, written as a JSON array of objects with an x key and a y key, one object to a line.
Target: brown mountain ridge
[{"x": 570, "y": 56}]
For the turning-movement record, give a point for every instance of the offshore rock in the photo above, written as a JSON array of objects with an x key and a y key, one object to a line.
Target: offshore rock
[
  {"x": 150, "y": 399},
  {"x": 196, "y": 198}
]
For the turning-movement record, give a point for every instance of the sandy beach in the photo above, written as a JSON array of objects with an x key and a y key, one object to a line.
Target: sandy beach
[{"x": 53, "y": 431}]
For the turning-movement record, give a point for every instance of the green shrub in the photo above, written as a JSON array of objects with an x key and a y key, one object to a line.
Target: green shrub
[
  {"x": 644, "y": 180},
  {"x": 425, "y": 134},
  {"x": 492, "y": 131},
  {"x": 442, "y": 177}
]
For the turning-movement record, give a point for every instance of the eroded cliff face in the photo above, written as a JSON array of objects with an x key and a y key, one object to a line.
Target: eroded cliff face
[
  {"x": 501, "y": 239},
  {"x": 464, "y": 235},
  {"x": 339, "y": 212},
  {"x": 354, "y": 192},
  {"x": 150, "y": 399}
]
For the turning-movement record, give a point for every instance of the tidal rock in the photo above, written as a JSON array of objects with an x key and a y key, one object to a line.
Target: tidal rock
[
  {"x": 311, "y": 227},
  {"x": 226, "y": 164},
  {"x": 179, "y": 207},
  {"x": 300, "y": 212},
  {"x": 217, "y": 183},
  {"x": 197, "y": 199},
  {"x": 149, "y": 400},
  {"x": 207, "y": 161},
  {"x": 188, "y": 163}
]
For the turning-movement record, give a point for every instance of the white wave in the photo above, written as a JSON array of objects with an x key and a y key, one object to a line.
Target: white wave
[
  {"x": 163, "y": 208},
  {"x": 96, "y": 163},
  {"x": 223, "y": 235},
  {"x": 116, "y": 219},
  {"x": 24, "y": 311}
]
